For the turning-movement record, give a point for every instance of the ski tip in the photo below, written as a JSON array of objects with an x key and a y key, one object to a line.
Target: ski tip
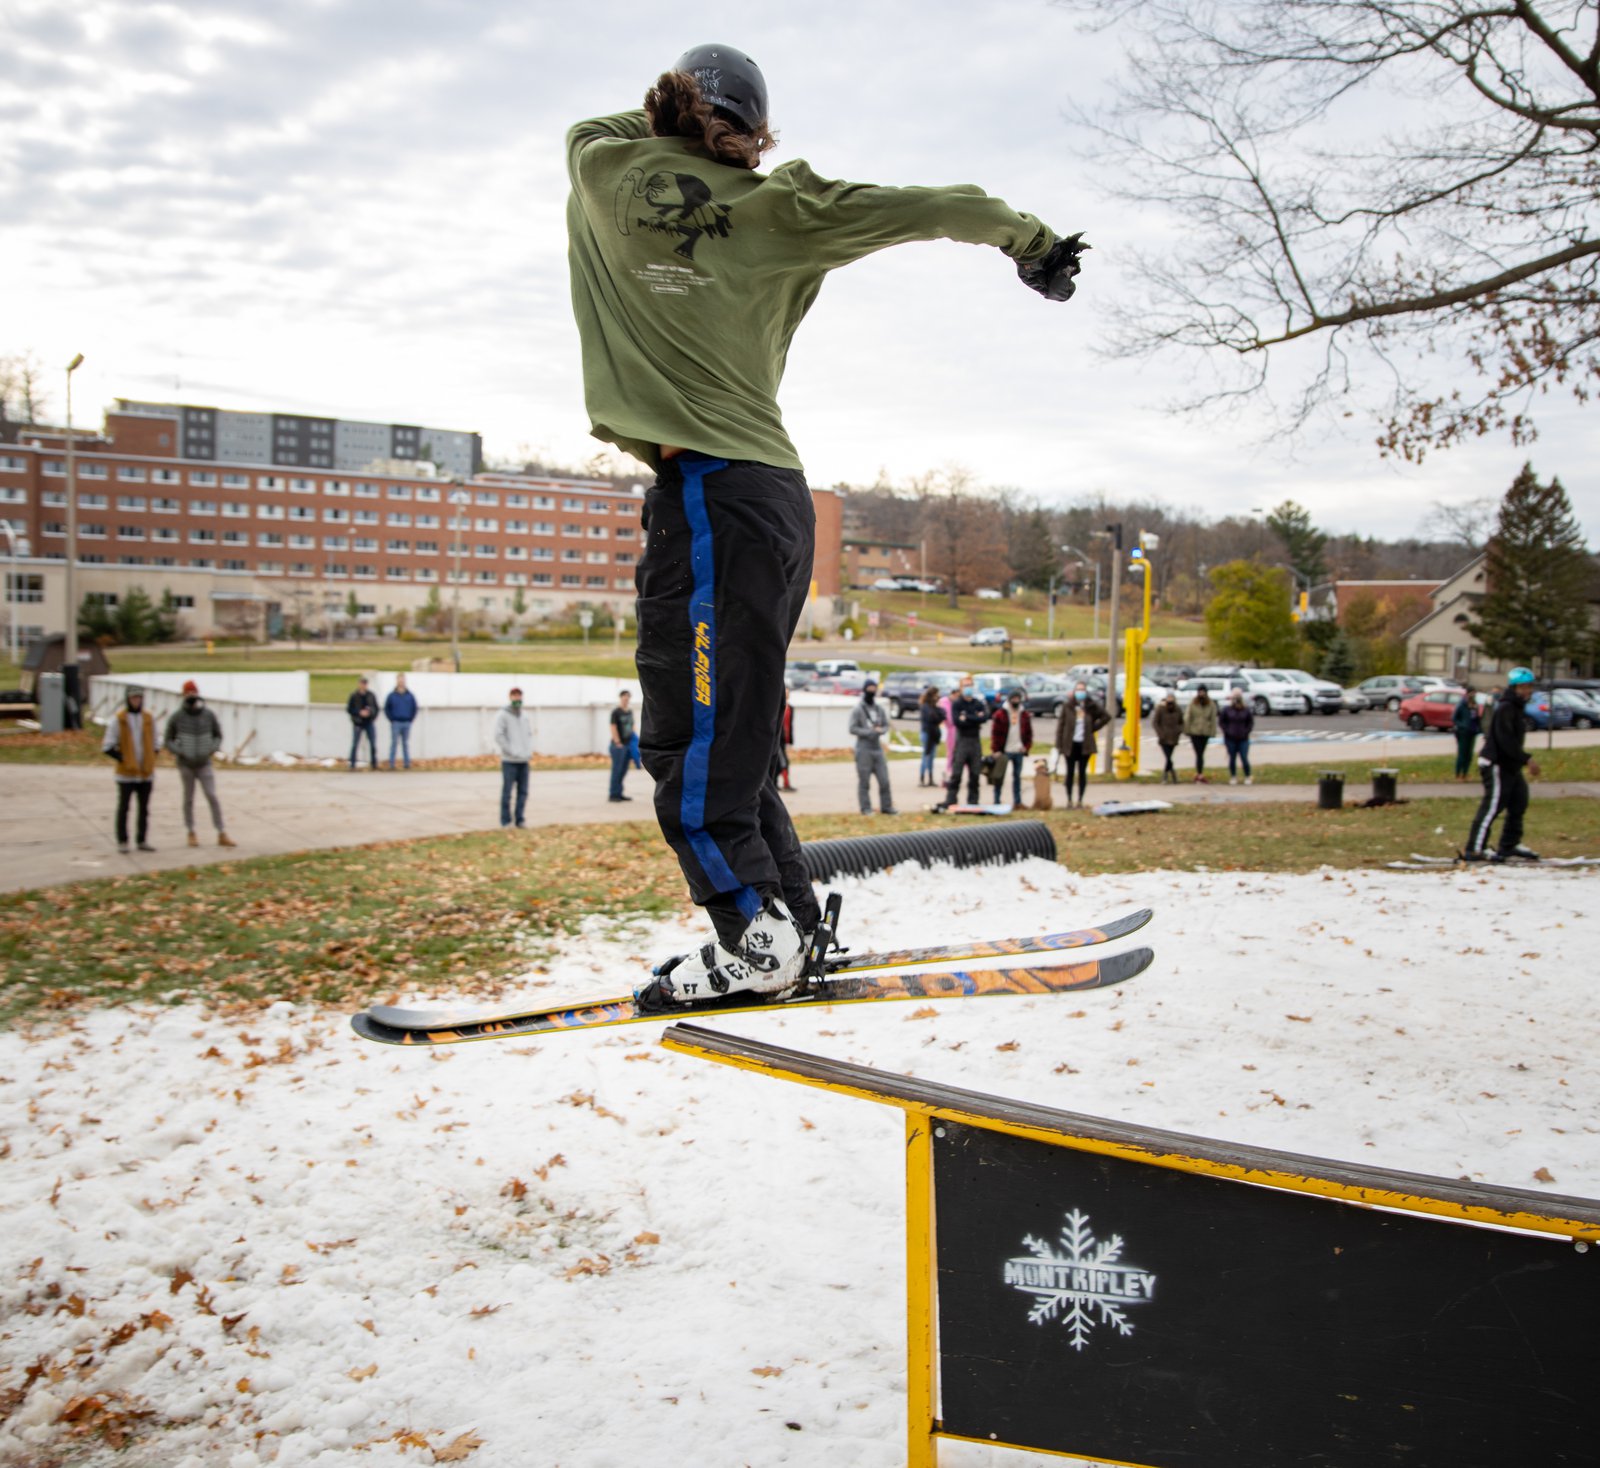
[{"x": 1117, "y": 968}]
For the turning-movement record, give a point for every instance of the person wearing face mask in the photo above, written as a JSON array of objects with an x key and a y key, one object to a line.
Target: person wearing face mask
[
  {"x": 132, "y": 742},
  {"x": 513, "y": 737},
  {"x": 1167, "y": 720},
  {"x": 1200, "y": 724},
  {"x": 869, "y": 725},
  {"x": 1236, "y": 723},
  {"x": 194, "y": 736},
  {"x": 969, "y": 713},
  {"x": 1081, "y": 720},
  {"x": 1010, "y": 741}
]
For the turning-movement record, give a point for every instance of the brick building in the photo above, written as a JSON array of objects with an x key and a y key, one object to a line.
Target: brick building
[{"x": 247, "y": 547}]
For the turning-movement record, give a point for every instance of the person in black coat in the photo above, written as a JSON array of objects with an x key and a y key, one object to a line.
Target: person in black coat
[
  {"x": 1505, "y": 787},
  {"x": 362, "y": 706},
  {"x": 1236, "y": 722},
  {"x": 969, "y": 713}
]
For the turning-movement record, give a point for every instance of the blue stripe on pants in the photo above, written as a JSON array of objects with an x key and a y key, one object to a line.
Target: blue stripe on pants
[{"x": 703, "y": 690}]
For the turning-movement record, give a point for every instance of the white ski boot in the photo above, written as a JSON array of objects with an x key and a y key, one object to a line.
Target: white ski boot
[{"x": 769, "y": 959}]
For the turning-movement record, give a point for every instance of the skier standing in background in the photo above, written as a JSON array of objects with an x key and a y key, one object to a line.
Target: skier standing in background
[
  {"x": 1501, "y": 762},
  {"x": 690, "y": 273}
]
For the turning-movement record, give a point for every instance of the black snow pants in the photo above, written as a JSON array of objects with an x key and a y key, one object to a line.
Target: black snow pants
[
  {"x": 1505, "y": 788},
  {"x": 722, "y": 583}
]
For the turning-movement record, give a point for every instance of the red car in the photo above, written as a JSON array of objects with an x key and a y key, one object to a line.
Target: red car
[{"x": 1433, "y": 708}]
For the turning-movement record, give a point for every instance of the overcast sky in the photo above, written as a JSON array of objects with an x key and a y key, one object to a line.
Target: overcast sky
[{"x": 354, "y": 207}]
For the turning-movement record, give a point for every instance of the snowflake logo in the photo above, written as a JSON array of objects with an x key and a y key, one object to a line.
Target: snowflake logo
[{"x": 1083, "y": 1280}]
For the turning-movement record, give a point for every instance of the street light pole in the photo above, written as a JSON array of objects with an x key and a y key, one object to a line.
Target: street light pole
[
  {"x": 69, "y": 661},
  {"x": 457, "y": 496},
  {"x": 1115, "y": 532}
]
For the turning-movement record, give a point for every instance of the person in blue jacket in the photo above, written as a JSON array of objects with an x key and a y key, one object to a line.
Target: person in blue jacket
[{"x": 400, "y": 709}]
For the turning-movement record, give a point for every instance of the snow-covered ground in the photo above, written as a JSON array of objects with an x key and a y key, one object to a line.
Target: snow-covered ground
[{"x": 284, "y": 1245}]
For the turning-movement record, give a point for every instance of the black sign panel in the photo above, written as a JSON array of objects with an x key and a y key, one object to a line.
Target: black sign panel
[{"x": 1111, "y": 1309}]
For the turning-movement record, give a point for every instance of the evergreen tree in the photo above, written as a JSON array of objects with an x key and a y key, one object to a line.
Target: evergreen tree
[
  {"x": 1291, "y": 523},
  {"x": 1248, "y": 617},
  {"x": 134, "y": 622},
  {"x": 94, "y": 620},
  {"x": 1034, "y": 558},
  {"x": 1539, "y": 575},
  {"x": 1338, "y": 660}
]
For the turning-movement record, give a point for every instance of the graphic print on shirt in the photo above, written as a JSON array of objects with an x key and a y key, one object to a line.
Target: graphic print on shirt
[{"x": 679, "y": 204}]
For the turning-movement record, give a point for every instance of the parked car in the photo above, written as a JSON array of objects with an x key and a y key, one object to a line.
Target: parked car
[
  {"x": 1321, "y": 695},
  {"x": 798, "y": 673},
  {"x": 1085, "y": 671},
  {"x": 1148, "y": 694},
  {"x": 1044, "y": 695},
  {"x": 990, "y": 636},
  {"x": 1217, "y": 670},
  {"x": 1266, "y": 692},
  {"x": 988, "y": 593},
  {"x": 886, "y": 583},
  {"x": 830, "y": 666},
  {"x": 903, "y": 691},
  {"x": 1541, "y": 713},
  {"x": 1170, "y": 675},
  {"x": 1584, "y": 707},
  {"x": 847, "y": 683},
  {"x": 1389, "y": 690},
  {"x": 1433, "y": 708},
  {"x": 993, "y": 687}
]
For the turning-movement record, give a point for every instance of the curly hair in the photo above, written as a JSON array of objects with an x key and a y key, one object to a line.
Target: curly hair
[{"x": 677, "y": 110}]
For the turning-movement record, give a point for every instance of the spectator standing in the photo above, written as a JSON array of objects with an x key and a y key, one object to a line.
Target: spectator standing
[
  {"x": 1081, "y": 720},
  {"x": 931, "y": 714},
  {"x": 869, "y": 723},
  {"x": 1468, "y": 724},
  {"x": 1011, "y": 741},
  {"x": 1200, "y": 724},
  {"x": 131, "y": 741},
  {"x": 1167, "y": 721},
  {"x": 946, "y": 705},
  {"x": 969, "y": 713},
  {"x": 362, "y": 706},
  {"x": 1505, "y": 786},
  {"x": 513, "y": 737},
  {"x": 194, "y": 736},
  {"x": 621, "y": 738},
  {"x": 400, "y": 709},
  {"x": 780, "y": 758},
  {"x": 1236, "y": 723}
]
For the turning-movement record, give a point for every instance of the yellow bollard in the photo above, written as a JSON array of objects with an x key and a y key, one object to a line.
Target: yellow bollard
[{"x": 210, "y": 647}]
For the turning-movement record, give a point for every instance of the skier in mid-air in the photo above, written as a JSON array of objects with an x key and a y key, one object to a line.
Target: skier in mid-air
[
  {"x": 1501, "y": 762},
  {"x": 690, "y": 274}
]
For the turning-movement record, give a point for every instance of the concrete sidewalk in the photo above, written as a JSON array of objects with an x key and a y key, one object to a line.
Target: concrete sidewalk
[{"x": 59, "y": 818}]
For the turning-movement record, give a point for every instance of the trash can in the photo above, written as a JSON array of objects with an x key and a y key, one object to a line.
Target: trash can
[
  {"x": 52, "y": 703},
  {"x": 1384, "y": 783},
  {"x": 1330, "y": 790}
]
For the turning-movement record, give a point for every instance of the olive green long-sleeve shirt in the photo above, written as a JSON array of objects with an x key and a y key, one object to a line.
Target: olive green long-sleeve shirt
[{"x": 690, "y": 276}]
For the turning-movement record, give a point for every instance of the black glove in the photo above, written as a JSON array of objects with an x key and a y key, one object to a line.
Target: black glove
[{"x": 1052, "y": 275}]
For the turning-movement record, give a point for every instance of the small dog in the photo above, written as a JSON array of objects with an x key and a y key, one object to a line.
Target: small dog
[{"x": 1041, "y": 785}]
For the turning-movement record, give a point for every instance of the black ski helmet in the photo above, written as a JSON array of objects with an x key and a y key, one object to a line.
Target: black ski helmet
[{"x": 728, "y": 79}]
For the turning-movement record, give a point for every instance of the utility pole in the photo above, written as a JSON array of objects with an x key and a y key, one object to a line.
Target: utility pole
[
  {"x": 1115, "y": 532},
  {"x": 69, "y": 662}
]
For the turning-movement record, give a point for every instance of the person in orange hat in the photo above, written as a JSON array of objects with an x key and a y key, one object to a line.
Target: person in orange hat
[{"x": 194, "y": 736}]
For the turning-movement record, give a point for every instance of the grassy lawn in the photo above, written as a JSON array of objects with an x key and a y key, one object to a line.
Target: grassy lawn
[
  {"x": 472, "y": 912},
  {"x": 1073, "y": 622},
  {"x": 344, "y": 660},
  {"x": 1554, "y": 764}
]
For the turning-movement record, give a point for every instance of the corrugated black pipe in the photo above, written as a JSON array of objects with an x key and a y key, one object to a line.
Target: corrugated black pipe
[{"x": 962, "y": 846}]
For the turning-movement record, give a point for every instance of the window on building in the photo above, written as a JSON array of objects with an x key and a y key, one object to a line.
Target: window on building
[
  {"x": 275, "y": 512},
  {"x": 543, "y": 578},
  {"x": 399, "y": 518},
  {"x": 302, "y": 486},
  {"x": 397, "y": 573},
  {"x": 131, "y": 560},
  {"x": 516, "y": 527},
  {"x": 202, "y": 537},
  {"x": 428, "y": 522},
  {"x": 235, "y": 537},
  {"x": 207, "y": 479},
  {"x": 599, "y": 507},
  {"x": 269, "y": 568},
  {"x": 398, "y": 547},
  {"x": 233, "y": 510},
  {"x": 272, "y": 482},
  {"x": 544, "y": 527},
  {"x": 11, "y": 464},
  {"x": 269, "y": 538},
  {"x": 335, "y": 542},
  {"x": 131, "y": 502},
  {"x": 366, "y": 517},
  {"x": 485, "y": 524},
  {"x": 572, "y": 580},
  {"x": 333, "y": 488},
  {"x": 201, "y": 563},
  {"x": 571, "y": 504},
  {"x": 517, "y": 501},
  {"x": 130, "y": 532},
  {"x": 426, "y": 547},
  {"x": 163, "y": 476},
  {"x": 428, "y": 494},
  {"x": 571, "y": 555},
  {"x": 599, "y": 532},
  {"x": 104, "y": 599},
  {"x": 296, "y": 512},
  {"x": 303, "y": 542},
  {"x": 486, "y": 552},
  {"x": 131, "y": 474},
  {"x": 364, "y": 571},
  {"x": 516, "y": 552},
  {"x": 543, "y": 553},
  {"x": 91, "y": 530},
  {"x": 597, "y": 558},
  {"x": 516, "y": 578},
  {"x": 234, "y": 566},
  {"x": 337, "y": 568},
  {"x": 426, "y": 573},
  {"x": 54, "y": 467},
  {"x": 544, "y": 502},
  {"x": 300, "y": 568},
  {"x": 24, "y": 586},
  {"x": 163, "y": 560},
  {"x": 332, "y": 516},
  {"x": 92, "y": 502},
  {"x": 624, "y": 558},
  {"x": 364, "y": 543},
  {"x": 90, "y": 471},
  {"x": 202, "y": 507},
  {"x": 486, "y": 578},
  {"x": 10, "y": 495},
  {"x": 53, "y": 499},
  {"x": 624, "y": 583},
  {"x": 164, "y": 532},
  {"x": 53, "y": 527},
  {"x": 92, "y": 558},
  {"x": 365, "y": 491},
  {"x": 399, "y": 491}
]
